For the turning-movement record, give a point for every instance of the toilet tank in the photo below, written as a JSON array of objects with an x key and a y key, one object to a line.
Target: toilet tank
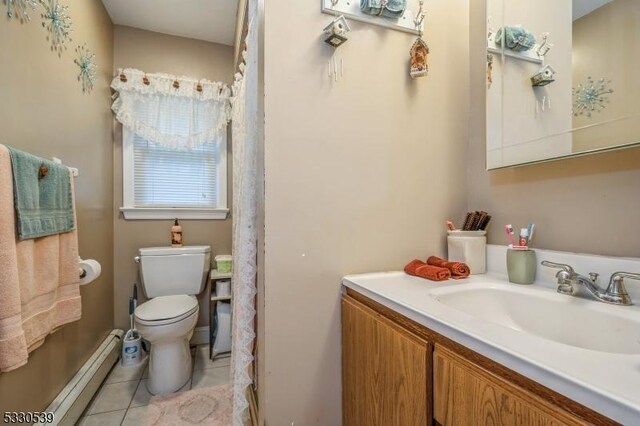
[{"x": 167, "y": 271}]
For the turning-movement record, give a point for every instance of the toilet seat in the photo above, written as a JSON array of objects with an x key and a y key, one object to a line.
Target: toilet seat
[{"x": 164, "y": 310}]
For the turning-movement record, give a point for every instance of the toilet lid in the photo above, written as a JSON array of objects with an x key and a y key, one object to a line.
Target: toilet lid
[{"x": 166, "y": 307}]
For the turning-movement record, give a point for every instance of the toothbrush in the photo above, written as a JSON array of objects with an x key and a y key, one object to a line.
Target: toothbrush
[
  {"x": 510, "y": 233},
  {"x": 531, "y": 228}
]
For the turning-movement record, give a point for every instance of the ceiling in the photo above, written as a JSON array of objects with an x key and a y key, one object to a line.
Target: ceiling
[
  {"x": 208, "y": 20},
  {"x": 585, "y": 7}
]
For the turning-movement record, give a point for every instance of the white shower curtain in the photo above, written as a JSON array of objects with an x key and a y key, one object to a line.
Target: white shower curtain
[{"x": 244, "y": 133}]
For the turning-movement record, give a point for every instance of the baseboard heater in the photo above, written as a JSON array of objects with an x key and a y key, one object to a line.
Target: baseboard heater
[{"x": 76, "y": 395}]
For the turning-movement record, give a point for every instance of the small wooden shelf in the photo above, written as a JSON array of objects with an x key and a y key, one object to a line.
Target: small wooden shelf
[
  {"x": 214, "y": 298},
  {"x": 215, "y": 275},
  {"x": 351, "y": 10},
  {"x": 528, "y": 55}
]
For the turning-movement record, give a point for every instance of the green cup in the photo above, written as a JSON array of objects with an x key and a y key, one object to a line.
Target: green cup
[{"x": 521, "y": 266}]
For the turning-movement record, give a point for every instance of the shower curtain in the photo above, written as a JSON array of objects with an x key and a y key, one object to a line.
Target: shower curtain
[{"x": 244, "y": 134}]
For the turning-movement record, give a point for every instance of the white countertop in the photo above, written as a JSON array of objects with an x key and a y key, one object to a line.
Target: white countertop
[{"x": 608, "y": 383}]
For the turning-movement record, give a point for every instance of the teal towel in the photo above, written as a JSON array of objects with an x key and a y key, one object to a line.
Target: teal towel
[
  {"x": 393, "y": 9},
  {"x": 44, "y": 205}
]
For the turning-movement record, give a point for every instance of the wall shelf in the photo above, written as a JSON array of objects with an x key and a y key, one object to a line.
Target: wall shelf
[
  {"x": 351, "y": 10},
  {"x": 529, "y": 55}
]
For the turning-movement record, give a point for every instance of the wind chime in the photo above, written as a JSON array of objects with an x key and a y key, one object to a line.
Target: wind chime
[
  {"x": 337, "y": 35},
  {"x": 420, "y": 48}
]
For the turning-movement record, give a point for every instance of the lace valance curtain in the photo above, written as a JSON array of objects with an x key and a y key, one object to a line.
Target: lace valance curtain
[{"x": 175, "y": 112}]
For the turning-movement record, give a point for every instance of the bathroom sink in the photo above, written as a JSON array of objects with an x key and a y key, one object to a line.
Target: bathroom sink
[{"x": 544, "y": 313}]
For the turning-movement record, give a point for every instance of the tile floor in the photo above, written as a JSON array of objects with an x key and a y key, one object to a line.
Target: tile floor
[{"x": 123, "y": 397}]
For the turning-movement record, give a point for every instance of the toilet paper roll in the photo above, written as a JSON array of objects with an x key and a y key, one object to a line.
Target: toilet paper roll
[
  {"x": 223, "y": 288},
  {"x": 92, "y": 271}
]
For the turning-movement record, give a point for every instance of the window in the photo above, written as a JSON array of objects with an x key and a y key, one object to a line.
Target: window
[{"x": 164, "y": 183}]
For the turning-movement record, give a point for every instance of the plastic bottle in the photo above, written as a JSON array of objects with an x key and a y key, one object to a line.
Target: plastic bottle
[{"x": 176, "y": 235}]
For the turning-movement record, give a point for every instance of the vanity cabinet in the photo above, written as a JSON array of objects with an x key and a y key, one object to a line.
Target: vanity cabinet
[
  {"x": 385, "y": 370},
  {"x": 466, "y": 394},
  {"x": 396, "y": 372}
]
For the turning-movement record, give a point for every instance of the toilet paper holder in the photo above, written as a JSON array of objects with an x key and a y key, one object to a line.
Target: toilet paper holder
[{"x": 88, "y": 276}]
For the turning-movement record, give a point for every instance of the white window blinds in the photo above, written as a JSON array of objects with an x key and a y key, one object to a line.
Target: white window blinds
[{"x": 165, "y": 177}]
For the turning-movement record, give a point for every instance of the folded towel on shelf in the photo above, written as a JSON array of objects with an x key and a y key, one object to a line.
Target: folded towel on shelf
[
  {"x": 420, "y": 269},
  {"x": 39, "y": 281},
  {"x": 42, "y": 196},
  {"x": 458, "y": 270},
  {"x": 388, "y": 8}
]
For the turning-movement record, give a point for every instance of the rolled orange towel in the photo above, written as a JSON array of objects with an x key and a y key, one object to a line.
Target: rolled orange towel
[
  {"x": 412, "y": 266},
  {"x": 420, "y": 269},
  {"x": 458, "y": 270}
]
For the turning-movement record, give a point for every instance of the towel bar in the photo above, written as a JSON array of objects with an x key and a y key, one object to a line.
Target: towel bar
[{"x": 74, "y": 172}]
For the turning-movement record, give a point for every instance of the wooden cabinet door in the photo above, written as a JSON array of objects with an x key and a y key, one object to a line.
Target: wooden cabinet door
[
  {"x": 466, "y": 394},
  {"x": 385, "y": 371}
]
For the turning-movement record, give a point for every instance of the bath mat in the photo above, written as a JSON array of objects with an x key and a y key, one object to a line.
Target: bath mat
[{"x": 207, "y": 407}]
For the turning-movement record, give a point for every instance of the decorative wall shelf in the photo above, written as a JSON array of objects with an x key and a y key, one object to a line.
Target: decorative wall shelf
[
  {"x": 529, "y": 55},
  {"x": 351, "y": 10}
]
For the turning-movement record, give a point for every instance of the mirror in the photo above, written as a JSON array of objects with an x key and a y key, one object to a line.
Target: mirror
[{"x": 562, "y": 79}]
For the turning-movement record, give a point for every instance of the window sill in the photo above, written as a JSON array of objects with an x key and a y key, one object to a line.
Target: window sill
[{"x": 141, "y": 213}]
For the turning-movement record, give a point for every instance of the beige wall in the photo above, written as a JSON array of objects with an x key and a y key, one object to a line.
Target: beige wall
[
  {"x": 360, "y": 176},
  {"x": 154, "y": 52},
  {"x": 607, "y": 36},
  {"x": 586, "y": 204},
  {"x": 43, "y": 111}
]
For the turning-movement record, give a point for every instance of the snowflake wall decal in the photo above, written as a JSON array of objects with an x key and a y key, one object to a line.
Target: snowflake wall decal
[
  {"x": 85, "y": 60},
  {"x": 57, "y": 22},
  {"x": 590, "y": 97},
  {"x": 20, "y": 8}
]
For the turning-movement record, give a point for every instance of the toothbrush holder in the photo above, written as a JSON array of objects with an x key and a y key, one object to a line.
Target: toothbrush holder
[
  {"x": 521, "y": 266},
  {"x": 469, "y": 247}
]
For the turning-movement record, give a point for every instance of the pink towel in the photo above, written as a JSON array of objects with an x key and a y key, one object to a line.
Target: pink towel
[{"x": 39, "y": 281}]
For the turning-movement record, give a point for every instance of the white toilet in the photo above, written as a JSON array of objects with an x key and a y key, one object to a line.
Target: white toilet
[{"x": 171, "y": 277}]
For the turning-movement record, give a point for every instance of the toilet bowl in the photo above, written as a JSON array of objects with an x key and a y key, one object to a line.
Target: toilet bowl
[{"x": 167, "y": 323}]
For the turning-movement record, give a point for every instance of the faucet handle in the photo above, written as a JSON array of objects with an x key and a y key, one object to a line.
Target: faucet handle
[
  {"x": 616, "y": 292},
  {"x": 622, "y": 275},
  {"x": 561, "y": 266},
  {"x": 564, "y": 276}
]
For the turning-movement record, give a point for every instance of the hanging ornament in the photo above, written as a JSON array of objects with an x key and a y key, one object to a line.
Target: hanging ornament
[
  {"x": 57, "y": 22},
  {"x": 420, "y": 48},
  {"x": 20, "y": 8},
  {"x": 419, "y": 52},
  {"x": 86, "y": 61},
  {"x": 337, "y": 31},
  {"x": 489, "y": 70}
]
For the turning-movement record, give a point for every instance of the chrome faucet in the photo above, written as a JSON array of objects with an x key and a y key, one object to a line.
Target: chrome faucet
[{"x": 615, "y": 294}]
